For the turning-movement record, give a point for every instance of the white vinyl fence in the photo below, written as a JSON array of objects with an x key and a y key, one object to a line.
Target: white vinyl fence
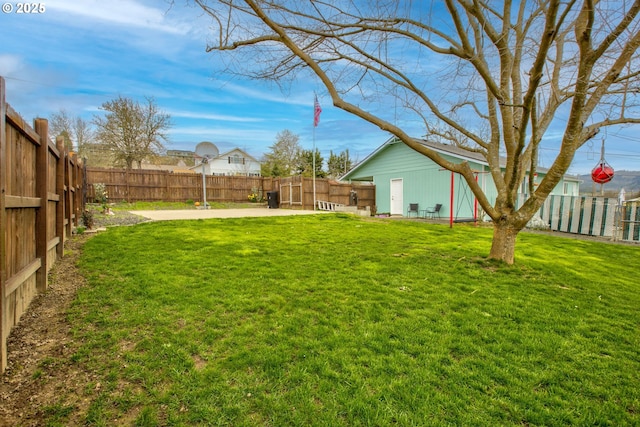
[
  {"x": 593, "y": 216},
  {"x": 630, "y": 227}
]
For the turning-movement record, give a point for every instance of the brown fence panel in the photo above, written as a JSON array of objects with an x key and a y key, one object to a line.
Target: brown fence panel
[
  {"x": 150, "y": 185},
  {"x": 115, "y": 181},
  {"x": 19, "y": 260},
  {"x": 365, "y": 194},
  {"x": 295, "y": 192},
  {"x": 181, "y": 187},
  {"x": 32, "y": 201}
]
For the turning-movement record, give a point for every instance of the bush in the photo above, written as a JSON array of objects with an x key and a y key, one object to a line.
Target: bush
[
  {"x": 101, "y": 196},
  {"x": 87, "y": 219}
]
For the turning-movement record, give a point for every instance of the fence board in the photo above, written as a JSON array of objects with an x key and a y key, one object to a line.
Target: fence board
[
  {"x": 294, "y": 192},
  {"x": 32, "y": 204},
  {"x": 42, "y": 213},
  {"x": 587, "y": 215},
  {"x": 554, "y": 210},
  {"x": 4, "y": 325},
  {"x": 566, "y": 213},
  {"x": 597, "y": 217},
  {"x": 608, "y": 216},
  {"x": 576, "y": 213}
]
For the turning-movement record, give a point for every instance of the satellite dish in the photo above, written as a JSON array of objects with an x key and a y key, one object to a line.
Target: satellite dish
[{"x": 207, "y": 149}]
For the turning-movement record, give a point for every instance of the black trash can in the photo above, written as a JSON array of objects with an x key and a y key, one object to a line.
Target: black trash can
[{"x": 272, "y": 199}]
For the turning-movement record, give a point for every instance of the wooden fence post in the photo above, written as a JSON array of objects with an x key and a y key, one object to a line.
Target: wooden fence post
[
  {"x": 303, "y": 191},
  {"x": 68, "y": 197},
  {"x": 42, "y": 189},
  {"x": 80, "y": 190},
  {"x": 167, "y": 192},
  {"x": 126, "y": 178},
  {"x": 61, "y": 200},
  {"x": 3, "y": 223}
]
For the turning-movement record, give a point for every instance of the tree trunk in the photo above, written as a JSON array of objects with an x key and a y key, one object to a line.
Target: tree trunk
[{"x": 504, "y": 241}]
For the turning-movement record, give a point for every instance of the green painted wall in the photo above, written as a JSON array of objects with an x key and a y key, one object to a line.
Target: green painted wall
[
  {"x": 426, "y": 184},
  {"x": 423, "y": 181}
]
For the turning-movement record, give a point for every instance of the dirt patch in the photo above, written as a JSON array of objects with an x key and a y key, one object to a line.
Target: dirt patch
[{"x": 41, "y": 381}]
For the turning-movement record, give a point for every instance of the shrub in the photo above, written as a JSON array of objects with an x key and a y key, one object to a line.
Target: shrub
[
  {"x": 101, "y": 196},
  {"x": 87, "y": 219}
]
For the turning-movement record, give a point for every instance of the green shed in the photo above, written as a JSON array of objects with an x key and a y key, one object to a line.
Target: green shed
[{"x": 403, "y": 176}]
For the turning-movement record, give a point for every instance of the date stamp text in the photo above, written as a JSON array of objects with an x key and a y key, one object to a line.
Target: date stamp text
[{"x": 23, "y": 8}]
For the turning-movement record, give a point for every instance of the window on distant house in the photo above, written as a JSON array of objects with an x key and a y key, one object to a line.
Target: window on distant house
[{"x": 236, "y": 160}]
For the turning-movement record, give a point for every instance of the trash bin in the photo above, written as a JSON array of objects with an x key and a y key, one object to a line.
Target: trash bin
[{"x": 272, "y": 199}]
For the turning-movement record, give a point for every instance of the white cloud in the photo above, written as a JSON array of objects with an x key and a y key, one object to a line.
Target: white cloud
[
  {"x": 208, "y": 116},
  {"x": 272, "y": 96},
  {"x": 120, "y": 12},
  {"x": 223, "y": 132},
  {"x": 10, "y": 64}
]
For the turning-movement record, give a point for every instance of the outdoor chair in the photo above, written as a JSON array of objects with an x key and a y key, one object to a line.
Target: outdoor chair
[
  {"x": 413, "y": 208},
  {"x": 432, "y": 212}
]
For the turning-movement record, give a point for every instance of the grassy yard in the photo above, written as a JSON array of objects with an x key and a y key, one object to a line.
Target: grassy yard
[{"x": 334, "y": 320}]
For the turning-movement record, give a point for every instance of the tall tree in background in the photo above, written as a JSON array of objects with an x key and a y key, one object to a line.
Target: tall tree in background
[
  {"x": 84, "y": 136},
  {"x": 76, "y": 131},
  {"x": 338, "y": 164},
  {"x": 488, "y": 77},
  {"x": 305, "y": 167},
  {"x": 60, "y": 125},
  {"x": 133, "y": 132},
  {"x": 284, "y": 157}
]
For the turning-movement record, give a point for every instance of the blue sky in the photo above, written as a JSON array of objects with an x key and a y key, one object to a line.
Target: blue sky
[{"x": 79, "y": 54}]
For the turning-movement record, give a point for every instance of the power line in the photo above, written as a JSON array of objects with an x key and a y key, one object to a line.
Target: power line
[
  {"x": 629, "y": 138},
  {"x": 34, "y": 82}
]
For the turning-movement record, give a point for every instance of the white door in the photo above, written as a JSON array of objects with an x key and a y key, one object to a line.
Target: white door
[{"x": 397, "y": 204}]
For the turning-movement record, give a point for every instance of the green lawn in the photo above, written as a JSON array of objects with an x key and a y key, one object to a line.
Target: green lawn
[{"x": 335, "y": 320}]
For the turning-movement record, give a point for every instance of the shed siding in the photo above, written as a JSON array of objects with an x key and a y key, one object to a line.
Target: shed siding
[{"x": 425, "y": 182}]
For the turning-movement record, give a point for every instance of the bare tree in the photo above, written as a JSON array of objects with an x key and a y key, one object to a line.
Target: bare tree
[
  {"x": 60, "y": 124},
  {"x": 83, "y": 134},
  {"x": 284, "y": 157},
  {"x": 488, "y": 77},
  {"x": 132, "y": 131},
  {"x": 76, "y": 131}
]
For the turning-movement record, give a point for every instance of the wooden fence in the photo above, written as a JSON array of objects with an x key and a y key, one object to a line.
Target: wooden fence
[
  {"x": 297, "y": 193},
  {"x": 156, "y": 185},
  {"x": 40, "y": 202}
]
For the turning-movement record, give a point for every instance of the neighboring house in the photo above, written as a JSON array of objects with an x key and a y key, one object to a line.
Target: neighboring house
[
  {"x": 232, "y": 163},
  {"x": 403, "y": 176},
  {"x": 179, "y": 167}
]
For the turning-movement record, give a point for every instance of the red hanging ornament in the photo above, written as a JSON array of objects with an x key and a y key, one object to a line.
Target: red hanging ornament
[{"x": 602, "y": 173}]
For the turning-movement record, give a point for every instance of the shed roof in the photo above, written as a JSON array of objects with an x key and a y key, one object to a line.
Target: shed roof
[{"x": 452, "y": 150}]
